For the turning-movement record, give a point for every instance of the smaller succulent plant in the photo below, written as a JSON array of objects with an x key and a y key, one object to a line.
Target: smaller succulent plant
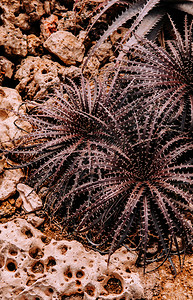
[
  {"x": 165, "y": 73},
  {"x": 70, "y": 129}
]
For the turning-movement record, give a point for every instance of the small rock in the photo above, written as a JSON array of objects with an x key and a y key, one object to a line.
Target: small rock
[
  {"x": 82, "y": 35},
  {"x": 34, "y": 8},
  {"x": 47, "y": 7},
  {"x": 6, "y": 209},
  {"x": 13, "y": 41},
  {"x": 104, "y": 52},
  {"x": 92, "y": 66},
  {"x": 9, "y": 9},
  {"x": 6, "y": 68},
  {"x": 34, "y": 220},
  {"x": 31, "y": 201},
  {"x": 68, "y": 21},
  {"x": 2, "y": 163},
  {"x": 10, "y": 100},
  {"x": 66, "y": 46},
  {"x": 11, "y": 201},
  {"x": 18, "y": 202},
  {"x": 22, "y": 21},
  {"x": 117, "y": 35},
  {"x": 48, "y": 26},
  {"x": 34, "y": 45},
  {"x": 72, "y": 72},
  {"x": 36, "y": 74},
  {"x": 8, "y": 181}
]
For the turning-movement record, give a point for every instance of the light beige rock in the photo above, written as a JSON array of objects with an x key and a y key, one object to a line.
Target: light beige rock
[
  {"x": 66, "y": 46},
  {"x": 30, "y": 199},
  {"x": 32, "y": 267},
  {"x": 9, "y": 9},
  {"x": 8, "y": 182},
  {"x": 82, "y": 35},
  {"x": 47, "y": 7},
  {"x": 36, "y": 74},
  {"x": 13, "y": 41},
  {"x": 34, "y": 220},
  {"x": 10, "y": 101}
]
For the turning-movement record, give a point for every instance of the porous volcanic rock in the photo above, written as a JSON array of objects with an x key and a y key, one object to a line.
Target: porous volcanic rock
[
  {"x": 35, "y": 267},
  {"x": 36, "y": 74},
  {"x": 13, "y": 41}
]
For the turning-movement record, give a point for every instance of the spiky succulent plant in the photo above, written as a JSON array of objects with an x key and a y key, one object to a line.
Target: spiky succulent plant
[
  {"x": 106, "y": 172},
  {"x": 148, "y": 15},
  {"x": 144, "y": 190},
  {"x": 70, "y": 129},
  {"x": 167, "y": 74}
]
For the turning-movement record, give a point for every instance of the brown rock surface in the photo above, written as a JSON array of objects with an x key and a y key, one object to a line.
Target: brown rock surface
[{"x": 66, "y": 46}]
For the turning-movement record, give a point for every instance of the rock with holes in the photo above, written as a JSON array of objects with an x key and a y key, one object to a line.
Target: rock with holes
[
  {"x": 34, "y": 9},
  {"x": 66, "y": 46},
  {"x": 34, "y": 267},
  {"x": 36, "y": 74},
  {"x": 11, "y": 14},
  {"x": 13, "y": 41}
]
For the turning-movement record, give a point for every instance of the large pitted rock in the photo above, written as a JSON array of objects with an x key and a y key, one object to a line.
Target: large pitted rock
[
  {"x": 34, "y": 267},
  {"x": 66, "y": 46},
  {"x": 36, "y": 74}
]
